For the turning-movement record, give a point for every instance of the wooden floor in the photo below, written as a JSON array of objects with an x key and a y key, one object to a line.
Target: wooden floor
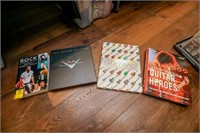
[{"x": 147, "y": 24}]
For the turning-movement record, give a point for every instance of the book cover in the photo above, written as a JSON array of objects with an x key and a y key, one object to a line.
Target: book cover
[
  {"x": 71, "y": 67},
  {"x": 190, "y": 48},
  {"x": 32, "y": 76},
  {"x": 120, "y": 68},
  {"x": 166, "y": 77}
]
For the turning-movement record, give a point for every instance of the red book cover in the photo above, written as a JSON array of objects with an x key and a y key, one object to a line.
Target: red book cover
[{"x": 166, "y": 77}]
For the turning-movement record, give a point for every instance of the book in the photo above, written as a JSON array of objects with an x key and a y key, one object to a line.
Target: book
[
  {"x": 190, "y": 48},
  {"x": 120, "y": 68},
  {"x": 166, "y": 77},
  {"x": 71, "y": 67},
  {"x": 32, "y": 76},
  {"x": 63, "y": 68}
]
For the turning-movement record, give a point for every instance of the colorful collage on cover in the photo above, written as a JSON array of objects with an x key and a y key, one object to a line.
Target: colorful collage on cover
[
  {"x": 120, "y": 68},
  {"x": 32, "y": 77}
]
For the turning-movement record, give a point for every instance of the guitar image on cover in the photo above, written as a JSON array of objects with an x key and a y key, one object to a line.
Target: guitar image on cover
[
  {"x": 166, "y": 77},
  {"x": 120, "y": 68}
]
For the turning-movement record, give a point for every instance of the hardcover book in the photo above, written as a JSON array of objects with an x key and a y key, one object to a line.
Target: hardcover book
[
  {"x": 120, "y": 68},
  {"x": 32, "y": 76},
  {"x": 71, "y": 67},
  {"x": 166, "y": 77},
  {"x": 189, "y": 48}
]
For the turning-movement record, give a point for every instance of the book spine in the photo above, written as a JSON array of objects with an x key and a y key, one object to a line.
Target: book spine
[
  {"x": 48, "y": 76},
  {"x": 146, "y": 71},
  {"x": 98, "y": 81}
]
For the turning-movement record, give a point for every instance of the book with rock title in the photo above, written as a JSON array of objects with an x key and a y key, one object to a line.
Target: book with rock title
[
  {"x": 32, "y": 76},
  {"x": 66, "y": 68}
]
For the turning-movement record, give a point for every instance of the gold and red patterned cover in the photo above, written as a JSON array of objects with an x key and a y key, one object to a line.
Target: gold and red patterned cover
[{"x": 166, "y": 77}]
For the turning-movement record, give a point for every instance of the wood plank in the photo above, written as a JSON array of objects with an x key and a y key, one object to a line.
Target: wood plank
[
  {"x": 133, "y": 12},
  {"x": 79, "y": 112},
  {"x": 152, "y": 24},
  {"x": 19, "y": 113}
]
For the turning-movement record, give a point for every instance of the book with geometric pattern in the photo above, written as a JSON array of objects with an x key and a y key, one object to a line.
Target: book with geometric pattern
[{"x": 120, "y": 68}]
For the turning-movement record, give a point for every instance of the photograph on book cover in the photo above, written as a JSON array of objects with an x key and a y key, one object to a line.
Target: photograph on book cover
[{"x": 32, "y": 77}]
